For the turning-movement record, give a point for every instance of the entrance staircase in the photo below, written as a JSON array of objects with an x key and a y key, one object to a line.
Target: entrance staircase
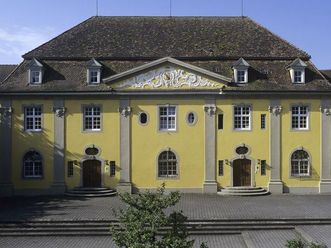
[
  {"x": 243, "y": 191},
  {"x": 194, "y": 227},
  {"x": 90, "y": 192}
]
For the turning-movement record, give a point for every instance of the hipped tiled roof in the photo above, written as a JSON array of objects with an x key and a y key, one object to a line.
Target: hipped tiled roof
[
  {"x": 327, "y": 74},
  {"x": 158, "y": 37},
  {"x": 264, "y": 75},
  {"x": 5, "y": 70}
]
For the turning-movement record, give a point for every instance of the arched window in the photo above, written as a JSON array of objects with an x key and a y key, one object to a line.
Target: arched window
[
  {"x": 32, "y": 165},
  {"x": 167, "y": 164},
  {"x": 300, "y": 164}
]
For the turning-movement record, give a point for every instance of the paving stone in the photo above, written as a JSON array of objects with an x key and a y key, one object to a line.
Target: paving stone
[
  {"x": 321, "y": 234},
  {"x": 195, "y": 206},
  {"x": 271, "y": 239},
  {"x": 213, "y": 241}
]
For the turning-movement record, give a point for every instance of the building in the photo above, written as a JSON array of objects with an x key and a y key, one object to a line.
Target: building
[{"x": 200, "y": 103}]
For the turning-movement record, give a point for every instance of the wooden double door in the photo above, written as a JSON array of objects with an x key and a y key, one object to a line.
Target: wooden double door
[
  {"x": 92, "y": 173},
  {"x": 241, "y": 172}
]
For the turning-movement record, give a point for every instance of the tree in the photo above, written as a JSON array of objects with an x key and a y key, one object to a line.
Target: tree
[
  {"x": 298, "y": 243},
  {"x": 144, "y": 223}
]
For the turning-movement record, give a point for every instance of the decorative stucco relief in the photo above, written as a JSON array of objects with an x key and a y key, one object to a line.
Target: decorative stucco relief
[{"x": 169, "y": 77}]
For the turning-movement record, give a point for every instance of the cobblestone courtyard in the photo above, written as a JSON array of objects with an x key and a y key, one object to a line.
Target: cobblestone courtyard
[{"x": 195, "y": 206}]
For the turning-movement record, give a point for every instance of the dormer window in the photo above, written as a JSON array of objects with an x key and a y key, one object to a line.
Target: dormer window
[
  {"x": 297, "y": 71},
  {"x": 93, "y": 72},
  {"x": 298, "y": 76},
  {"x": 240, "y": 70},
  {"x": 241, "y": 76},
  {"x": 35, "y": 72},
  {"x": 94, "y": 76},
  {"x": 35, "y": 76}
]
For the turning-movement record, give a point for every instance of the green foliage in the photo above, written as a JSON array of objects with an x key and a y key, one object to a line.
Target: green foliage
[
  {"x": 298, "y": 243},
  {"x": 144, "y": 224},
  {"x": 313, "y": 245}
]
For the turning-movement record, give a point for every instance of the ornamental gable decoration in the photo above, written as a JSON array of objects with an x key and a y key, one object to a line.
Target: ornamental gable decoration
[{"x": 169, "y": 76}]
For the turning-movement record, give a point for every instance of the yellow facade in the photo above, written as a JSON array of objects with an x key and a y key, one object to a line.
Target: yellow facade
[
  {"x": 23, "y": 141},
  {"x": 147, "y": 142}
]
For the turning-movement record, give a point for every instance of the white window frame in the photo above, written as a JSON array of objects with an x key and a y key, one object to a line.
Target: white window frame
[
  {"x": 299, "y": 116},
  {"x": 34, "y": 175},
  {"x": 35, "y": 118},
  {"x": 293, "y": 71},
  {"x": 169, "y": 162},
  {"x": 241, "y": 76},
  {"x": 32, "y": 76},
  {"x": 300, "y": 163},
  {"x": 93, "y": 116},
  {"x": 237, "y": 77},
  {"x": 241, "y": 116},
  {"x": 97, "y": 71},
  {"x": 168, "y": 118}
]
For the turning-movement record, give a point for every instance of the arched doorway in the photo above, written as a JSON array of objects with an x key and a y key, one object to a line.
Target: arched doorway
[
  {"x": 241, "y": 172},
  {"x": 92, "y": 173}
]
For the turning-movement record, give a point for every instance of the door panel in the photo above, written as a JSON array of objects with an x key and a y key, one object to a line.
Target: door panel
[
  {"x": 92, "y": 173},
  {"x": 241, "y": 172}
]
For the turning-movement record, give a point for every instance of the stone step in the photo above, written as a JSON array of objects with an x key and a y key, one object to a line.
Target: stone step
[
  {"x": 243, "y": 191},
  {"x": 107, "y": 228},
  {"x": 106, "y": 231},
  {"x": 90, "y": 192},
  {"x": 90, "y": 195},
  {"x": 90, "y": 189},
  {"x": 242, "y": 188}
]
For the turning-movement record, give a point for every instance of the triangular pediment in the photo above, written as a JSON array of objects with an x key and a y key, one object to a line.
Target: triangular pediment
[{"x": 167, "y": 74}]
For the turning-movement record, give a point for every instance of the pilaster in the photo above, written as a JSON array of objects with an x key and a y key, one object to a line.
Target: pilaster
[
  {"x": 325, "y": 184},
  {"x": 6, "y": 186},
  {"x": 58, "y": 186},
  {"x": 210, "y": 185},
  {"x": 125, "y": 147},
  {"x": 275, "y": 184}
]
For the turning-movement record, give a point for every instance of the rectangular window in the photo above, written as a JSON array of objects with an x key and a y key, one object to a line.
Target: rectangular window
[
  {"x": 32, "y": 118},
  {"x": 167, "y": 118},
  {"x": 300, "y": 117},
  {"x": 242, "y": 117},
  {"x": 220, "y": 167},
  {"x": 263, "y": 116},
  {"x": 220, "y": 121},
  {"x": 241, "y": 76},
  {"x": 263, "y": 167},
  {"x": 92, "y": 118},
  {"x": 35, "y": 76},
  {"x": 94, "y": 76},
  {"x": 297, "y": 76},
  {"x": 112, "y": 168},
  {"x": 70, "y": 168}
]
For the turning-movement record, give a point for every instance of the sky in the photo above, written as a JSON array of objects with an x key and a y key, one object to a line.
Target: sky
[{"x": 26, "y": 24}]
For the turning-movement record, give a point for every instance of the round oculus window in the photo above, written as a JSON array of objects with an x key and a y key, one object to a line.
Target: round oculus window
[
  {"x": 191, "y": 118},
  {"x": 92, "y": 151},
  {"x": 143, "y": 118},
  {"x": 241, "y": 150}
]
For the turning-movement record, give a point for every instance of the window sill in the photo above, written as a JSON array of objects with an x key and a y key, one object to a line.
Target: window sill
[
  {"x": 300, "y": 176},
  {"x": 168, "y": 177},
  {"x": 33, "y": 177},
  {"x": 33, "y": 130}
]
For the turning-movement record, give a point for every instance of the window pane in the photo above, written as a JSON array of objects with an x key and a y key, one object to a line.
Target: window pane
[
  {"x": 167, "y": 118},
  {"x": 167, "y": 164},
  {"x": 220, "y": 121},
  {"x": 143, "y": 118}
]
